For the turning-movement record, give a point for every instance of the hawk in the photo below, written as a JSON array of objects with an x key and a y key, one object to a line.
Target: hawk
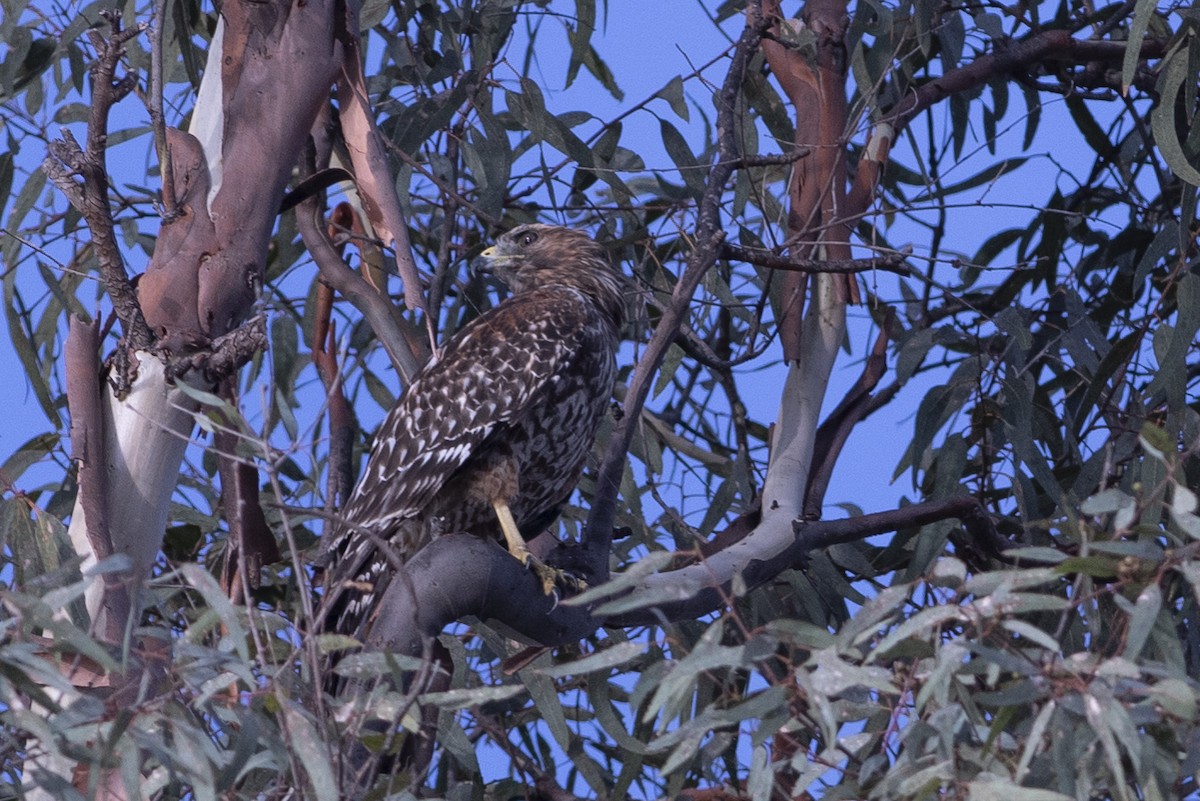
[{"x": 491, "y": 436}]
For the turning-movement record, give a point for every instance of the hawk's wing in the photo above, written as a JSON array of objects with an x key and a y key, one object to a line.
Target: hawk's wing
[{"x": 487, "y": 377}]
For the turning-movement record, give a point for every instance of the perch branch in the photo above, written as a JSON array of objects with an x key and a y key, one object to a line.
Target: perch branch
[{"x": 490, "y": 584}]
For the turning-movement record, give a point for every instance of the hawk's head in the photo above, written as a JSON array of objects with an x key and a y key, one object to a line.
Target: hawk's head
[{"x": 534, "y": 255}]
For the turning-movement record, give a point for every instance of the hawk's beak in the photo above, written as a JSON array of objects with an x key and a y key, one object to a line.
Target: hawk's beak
[{"x": 484, "y": 263}]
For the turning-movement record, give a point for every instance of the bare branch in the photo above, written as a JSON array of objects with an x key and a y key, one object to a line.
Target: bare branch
[
  {"x": 373, "y": 177},
  {"x": 707, "y": 591},
  {"x": 250, "y": 543},
  {"x": 833, "y": 433},
  {"x": 90, "y": 197},
  {"x": 892, "y": 262},
  {"x": 155, "y": 105},
  {"x": 341, "y": 415},
  {"x": 88, "y": 449},
  {"x": 374, "y": 306},
  {"x": 1054, "y": 45}
]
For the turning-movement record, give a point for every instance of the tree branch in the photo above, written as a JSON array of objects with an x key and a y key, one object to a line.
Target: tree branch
[
  {"x": 88, "y": 449},
  {"x": 373, "y": 178},
  {"x": 341, "y": 415},
  {"x": 374, "y": 306},
  {"x": 833, "y": 433},
  {"x": 67, "y": 159},
  {"x": 892, "y": 262},
  {"x": 1045, "y": 46},
  {"x": 489, "y": 584}
]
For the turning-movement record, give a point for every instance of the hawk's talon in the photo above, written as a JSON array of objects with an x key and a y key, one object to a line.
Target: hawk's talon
[{"x": 552, "y": 578}]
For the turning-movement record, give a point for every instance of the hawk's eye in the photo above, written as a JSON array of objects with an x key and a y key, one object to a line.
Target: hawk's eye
[{"x": 528, "y": 238}]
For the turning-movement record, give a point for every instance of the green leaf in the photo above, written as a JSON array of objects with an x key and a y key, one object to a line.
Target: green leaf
[
  {"x": 579, "y": 36},
  {"x": 312, "y": 752},
  {"x": 1143, "y": 11},
  {"x": 26, "y": 347},
  {"x": 472, "y": 696},
  {"x": 218, "y": 602},
  {"x": 1174, "y": 71},
  {"x": 625, "y": 581},
  {"x": 999, "y": 790},
  {"x": 988, "y": 175},
  {"x": 1106, "y": 502},
  {"x": 604, "y": 659},
  {"x": 1141, "y": 622},
  {"x": 672, "y": 92},
  {"x": 1093, "y": 134},
  {"x": 29, "y": 453},
  {"x": 1171, "y": 376},
  {"x": 6, "y": 180},
  {"x": 681, "y": 153},
  {"x": 927, "y": 621}
]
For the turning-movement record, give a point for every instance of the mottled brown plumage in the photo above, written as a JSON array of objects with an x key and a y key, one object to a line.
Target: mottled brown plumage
[{"x": 504, "y": 418}]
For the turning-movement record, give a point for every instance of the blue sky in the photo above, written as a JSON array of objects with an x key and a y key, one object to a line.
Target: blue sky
[{"x": 646, "y": 45}]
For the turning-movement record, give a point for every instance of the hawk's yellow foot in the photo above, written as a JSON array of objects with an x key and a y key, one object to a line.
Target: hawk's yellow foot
[
  {"x": 553, "y": 577},
  {"x": 550, "y": 577}
]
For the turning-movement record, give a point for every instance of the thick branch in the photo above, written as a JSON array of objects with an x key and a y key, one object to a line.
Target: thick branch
[
  {"x": 224, "y": 356},
  {"x": 489, "y": 584},
  {"x": 833, "y": 433},
  {"x": 88, "y": 449}
]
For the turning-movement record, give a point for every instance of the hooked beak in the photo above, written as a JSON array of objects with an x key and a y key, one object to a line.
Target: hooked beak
[{"x": 490, "y": 262}]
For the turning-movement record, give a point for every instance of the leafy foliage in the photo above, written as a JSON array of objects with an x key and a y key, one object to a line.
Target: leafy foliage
[{"x": 1047, "y": 343}]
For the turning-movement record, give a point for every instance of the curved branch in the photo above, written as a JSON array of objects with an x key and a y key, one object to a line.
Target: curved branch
[
  {"x": 710, "y": 586},
  {"x": 354, "y": 287},
  {"x": 458, "y": 575},
  {"x": 833, "y": 433},
  {"x": 1045, "y": 46},
  {"x": 489, "y": 584},
  {"x": 373, "y": 177}
]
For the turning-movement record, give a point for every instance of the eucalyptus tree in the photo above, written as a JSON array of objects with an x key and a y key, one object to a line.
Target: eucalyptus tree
[{"x": 1027, "y": 629}]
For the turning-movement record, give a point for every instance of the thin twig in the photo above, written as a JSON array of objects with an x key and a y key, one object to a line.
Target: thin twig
[
  {"x": 157, "y": 120},
  {"x": 892, "y": 262}
]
